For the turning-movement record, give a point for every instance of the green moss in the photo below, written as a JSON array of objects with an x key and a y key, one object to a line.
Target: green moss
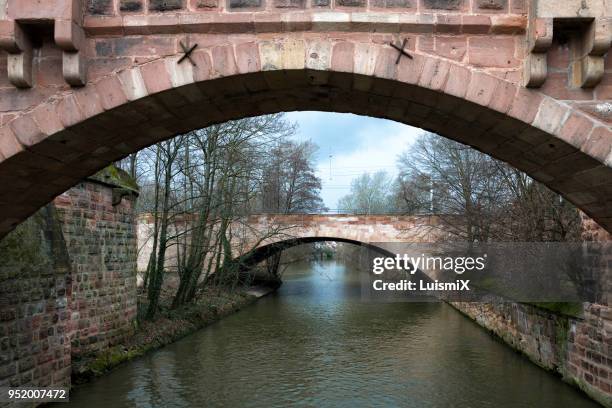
[
  {"x": 111, "y": 358},
  {"x": 171, "y": 325},
  {"x": 561, "y": 308},
  {"x": 36, "y": 246},
  {"x": 562, "y": 333},
  {"x": 23, "y": 244},
  {"x": 591, "y": 391},
  {"x": 116, "y": 177}
]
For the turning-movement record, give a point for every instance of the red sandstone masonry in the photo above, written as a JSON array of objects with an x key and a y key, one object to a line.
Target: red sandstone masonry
[
  {"x": 577, "y": 348},
  {"x": 9, "y": 145},
  {"x": 111, "y": 93},
  {"x": 599, "y": 143},
  {"x": 359, "y": 228},
  {"x": 81, "y": 301},
  {"x": 572, "y": 347},
  {"x": 34, "y": 318},
  {"x": 433, "y": 83},
  {"x": 101, "y": 242}
]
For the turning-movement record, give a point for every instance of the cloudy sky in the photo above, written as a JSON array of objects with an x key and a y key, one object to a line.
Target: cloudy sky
[{"x": 357, "y": 144}]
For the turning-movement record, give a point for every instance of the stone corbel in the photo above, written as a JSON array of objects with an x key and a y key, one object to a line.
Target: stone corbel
[
  {"x": 119, "y": 193},
  {"x": 19, "y": 63},
  {"x": 71, "y": 38},
  {"x": 539, "y": 41},
  {"x": 589, "y": 51}
]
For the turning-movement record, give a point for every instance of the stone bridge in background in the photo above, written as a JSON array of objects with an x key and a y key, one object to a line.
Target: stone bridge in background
[
  {"x": 288, "y": 230},
  {"x": 377, "y": 233},
  {"x": 362, "y": 230},
  {"x": 89, "y": 81},
  {"x": 359, "y": 228}
]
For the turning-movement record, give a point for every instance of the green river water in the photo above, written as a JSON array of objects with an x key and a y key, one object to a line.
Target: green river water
[{"x": 315, "y": 343}]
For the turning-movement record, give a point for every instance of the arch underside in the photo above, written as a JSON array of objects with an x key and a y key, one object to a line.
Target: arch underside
[
  {"x": 263, "y": 252},
  {"x": 51, "y": 164},
  {"x": 260, "y": 254}
]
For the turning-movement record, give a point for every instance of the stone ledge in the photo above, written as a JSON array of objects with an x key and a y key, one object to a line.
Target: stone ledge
[
  {"x": 116, "y": 178},
  {"x": 325, "y": 21}
]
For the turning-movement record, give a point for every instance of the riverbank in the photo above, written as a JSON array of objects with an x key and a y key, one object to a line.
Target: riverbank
[
  {"x": 170, "y": 326},
  {"x": 552, "y": 337}
]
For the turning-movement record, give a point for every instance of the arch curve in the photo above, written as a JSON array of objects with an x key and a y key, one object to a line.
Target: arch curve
[
  {"x": 260, "y": 253},
  {"x": 49, "y": 148}
]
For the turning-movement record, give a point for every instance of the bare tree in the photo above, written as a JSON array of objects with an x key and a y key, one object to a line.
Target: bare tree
[
  {"x": 222, "y": 174},
  {"x": 535, "y": 213},
  {"x": 288, "y": 183},
  {"x": 479, "y": 198},
  {"x": 167, "y": 153}
]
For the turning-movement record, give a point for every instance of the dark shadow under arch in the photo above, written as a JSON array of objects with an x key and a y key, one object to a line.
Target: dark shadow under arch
[
  {"x": 514, "y": 129},
  {"x": 261, "y": 253},
  {"x": 247, "y": 261}
]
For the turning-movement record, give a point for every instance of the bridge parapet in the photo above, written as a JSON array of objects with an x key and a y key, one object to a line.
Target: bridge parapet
[
  {"x": 115, "y": 7},
  {"x": 360, "y": 228},
  {"x": 586, "y": 23}
]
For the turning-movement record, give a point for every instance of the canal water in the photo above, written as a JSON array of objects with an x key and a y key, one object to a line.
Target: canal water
[{"x": 315, "y": 343}]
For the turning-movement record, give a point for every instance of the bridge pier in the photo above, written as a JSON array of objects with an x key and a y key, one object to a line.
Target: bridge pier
[{"x": 67, "y": 283}]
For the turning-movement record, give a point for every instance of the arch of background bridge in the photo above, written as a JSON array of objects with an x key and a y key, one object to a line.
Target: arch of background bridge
[
  {"x": 260, "y": 253},
  {"x": 49, "y": 148}
]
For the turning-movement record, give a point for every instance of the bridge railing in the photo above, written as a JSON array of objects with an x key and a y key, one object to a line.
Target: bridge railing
[{"x": 342, "y": 211}]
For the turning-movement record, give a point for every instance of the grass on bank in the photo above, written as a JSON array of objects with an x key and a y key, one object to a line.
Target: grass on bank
[{"x": 168, "y": 326}]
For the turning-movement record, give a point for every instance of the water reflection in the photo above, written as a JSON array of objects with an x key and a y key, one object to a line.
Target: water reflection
[{"x": 316, "y": 344}]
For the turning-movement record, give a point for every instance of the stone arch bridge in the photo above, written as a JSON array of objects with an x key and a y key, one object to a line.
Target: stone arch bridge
[
  {"x": 362, "y": 230},
  {"x": 86, "y": 82},
  {"x": 289, "y": 230},
  {"x": 373, "y": 232}
]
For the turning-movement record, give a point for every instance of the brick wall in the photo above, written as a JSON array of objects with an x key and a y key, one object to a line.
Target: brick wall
[
  {"x": 577, "y": 348},
  {"x": 34, "y": 311},
  {"x": 67, "y": 283},
  {"x": 576, "y": 344},
  {"x": 101, "y": 241}
]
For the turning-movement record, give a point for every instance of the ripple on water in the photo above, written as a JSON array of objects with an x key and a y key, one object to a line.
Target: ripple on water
[{"x": 315, "y": 344}]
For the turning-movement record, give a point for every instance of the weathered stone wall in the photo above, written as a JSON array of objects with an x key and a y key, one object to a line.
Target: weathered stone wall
[
  {"x": 591, "y": 231},
  {"x": 101, "y": 241},
  {"x": 110, "y": 7},
  {"x": 34, "y": 304},
  {"x": 574, "y": 341},
  {"x": 577, "y": 348},
  {"x": 67, "y": 283}
]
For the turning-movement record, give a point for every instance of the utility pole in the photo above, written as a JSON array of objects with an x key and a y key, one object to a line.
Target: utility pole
[
  {"x": 431, "y": 196},
  {"x": 330, "y": 165}
]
